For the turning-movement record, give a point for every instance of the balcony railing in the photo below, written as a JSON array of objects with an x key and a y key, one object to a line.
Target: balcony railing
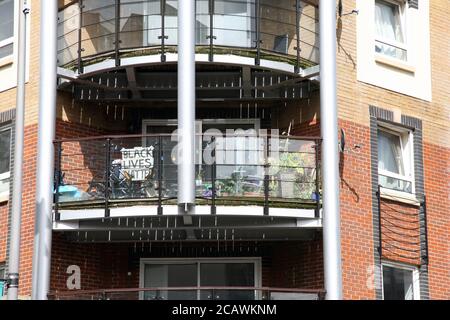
[
  {"x": 191, "y": 293},
  {"x": 92, "y": 30},
  {"x": 235, "y": 170}
]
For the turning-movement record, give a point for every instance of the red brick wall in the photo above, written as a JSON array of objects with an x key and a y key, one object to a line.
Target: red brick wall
[
  {"x": 285, "y": 264},
  {"x": 356, "y": 212},
  {"x": 28, "y": 209},
  {"x": 437, "y": 188},
  {"x": 3, "y": 230},
  {"x": 297, "y": 265}
]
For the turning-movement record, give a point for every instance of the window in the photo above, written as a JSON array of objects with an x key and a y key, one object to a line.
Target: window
[
  {"x": 197, "y": 276},
  {"x": 400, "y": 282},
  {"x": 395, "y": 161},
  {"x": 390, "y": 39},
  {"x": 6, "y": 28},
  {"x": 2, "y": 279},
  {"x": 5, "y": 155}
]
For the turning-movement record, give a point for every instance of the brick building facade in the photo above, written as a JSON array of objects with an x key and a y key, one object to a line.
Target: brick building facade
[{"x": 382, "y": 232}]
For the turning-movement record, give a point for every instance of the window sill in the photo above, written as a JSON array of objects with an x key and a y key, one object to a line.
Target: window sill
[
  {"x": 4, "y": 197},
  {"x": 397, "y": 64},
  {"x": 6, "y": 61},
  {"x": 398, "y": 196}
]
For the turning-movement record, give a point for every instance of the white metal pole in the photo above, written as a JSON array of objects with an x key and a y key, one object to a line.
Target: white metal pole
[
  {"x": 330, "y": 153},
  {"x": 16, "y": 206},
  {"x": 45, "y": 156},
  {"x": 186, "y": 105}
]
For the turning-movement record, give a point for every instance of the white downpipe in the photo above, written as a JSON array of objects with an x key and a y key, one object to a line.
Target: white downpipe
[
  {"x": 45, "y": 155},
  {"x": 330, "y": 152},
  {"x": 186, "y": 105}
]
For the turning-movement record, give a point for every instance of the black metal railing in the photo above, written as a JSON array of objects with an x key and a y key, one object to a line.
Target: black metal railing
[
  {"x": 285, "y": 30},
  {"x": 239, "y": 169},
  {"x": 191, "y": 293}
]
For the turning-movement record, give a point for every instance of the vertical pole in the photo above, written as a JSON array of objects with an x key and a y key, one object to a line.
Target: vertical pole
[
  {"x": 16, "y": 206},
  {"x": 160, "y": 168},
  {"x": 117, "y": 33},
  {"x": 163, "y": 36},
  {"x": 80, "y": 36},
  {"x": 297, "y": 30},
  {"x": 318, "y": 142},
  {"x": 211, "y": 36},
  {"x": 258, "y": 31},
  {"x": 45, "y": 156},
  {"x": 107, "y": 176},
  {"x": 266, "y": 175},
  {"x": 58, "y": 180},
  {"x": 213, "y": 177},
  {"x": 186, "y": 105},
  {"x": 330, "y": 153}
]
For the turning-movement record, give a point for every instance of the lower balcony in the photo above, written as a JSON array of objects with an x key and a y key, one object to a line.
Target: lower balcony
[
  {"x": 238, "y": 174},
  {"x": 191, "y": 293}
]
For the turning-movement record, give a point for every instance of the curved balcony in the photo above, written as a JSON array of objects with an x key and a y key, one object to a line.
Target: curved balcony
[
  {"x": 235, "y": 175},
  {"x": 281, "y": 34}
]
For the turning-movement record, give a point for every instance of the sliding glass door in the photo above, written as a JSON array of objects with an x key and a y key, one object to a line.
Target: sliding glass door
[{"x": 204, "y": 279}]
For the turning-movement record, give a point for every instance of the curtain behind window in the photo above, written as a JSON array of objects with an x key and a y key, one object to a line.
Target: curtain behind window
[
  {"x": 389, "y": 28},
  {"x": 390, "y": 153}
]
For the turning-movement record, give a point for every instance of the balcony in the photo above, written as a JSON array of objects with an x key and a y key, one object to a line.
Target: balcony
[
  {"x": 247, "y": 175},
  {"x": 281, "y": 34},
  {"x": 191, "y": 293}
]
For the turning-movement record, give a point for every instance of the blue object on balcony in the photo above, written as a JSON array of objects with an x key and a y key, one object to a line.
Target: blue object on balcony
[
  {"x": 315, "y": 196},
  {"x": 2, "y": 287}
]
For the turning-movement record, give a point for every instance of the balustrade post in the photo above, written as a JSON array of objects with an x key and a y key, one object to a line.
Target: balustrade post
[
  {"x": 107, "y": 176},
  {"x": 258, "y": 32},
  {"x": 266, "y": 175},
  {"x": 80, "y": 36},
  {"x": 117, "y": 40},
  {"x": 317, "y": 164},
  {"x": 58, "y": 179},
  {"x": 211, "y": 36},
  {"x": 163, "y": 36},
  {"x": 213, "y": 177},
  {"x": 297, "y": 27},
  {"x": 160, "y": 168}
]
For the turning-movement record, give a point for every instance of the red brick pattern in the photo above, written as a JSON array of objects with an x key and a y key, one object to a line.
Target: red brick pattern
[{"x": 437, "y": 180}]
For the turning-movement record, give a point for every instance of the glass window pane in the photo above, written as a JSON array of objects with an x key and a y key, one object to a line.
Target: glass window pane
[
  {"x": 6, "y": 50},
  {"x": 5, "y": 150},
  {"x": 6, "y": 19},
  {"x": 234, "y": 23},
  {"x": 397, "y": 284},
  {"x": 227, "y": 275},
  {"x": 390, "y": 156},
  {"x": 170, "y": 275},
  {"x": 388, "y": 21}
]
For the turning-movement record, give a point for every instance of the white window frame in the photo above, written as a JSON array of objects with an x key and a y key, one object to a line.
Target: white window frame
[
  {"x": 11, "y": 39},
  {"x": 407, "y": 145},
  {"x": 6, "y": 175},
  {"x": 402, "y": 266},
  {"x": 166, "y": 261},
  {"x": 402, "y": 8}
]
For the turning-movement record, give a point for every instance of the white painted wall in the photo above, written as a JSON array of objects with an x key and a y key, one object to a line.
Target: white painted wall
[{"x": 412, "y": 78}]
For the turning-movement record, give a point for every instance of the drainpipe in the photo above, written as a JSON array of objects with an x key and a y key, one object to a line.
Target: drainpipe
[
  {"x": 45, "y": 154},
  {"x": 16, "y": 206},
  {"x": 330, "y": 153},
  {"x": 186, "y": 106}
]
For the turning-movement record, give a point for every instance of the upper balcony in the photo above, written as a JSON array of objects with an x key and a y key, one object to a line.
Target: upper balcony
[
  {"x": 278, "y": 35},
  {"x": 136, "y": 175}
]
